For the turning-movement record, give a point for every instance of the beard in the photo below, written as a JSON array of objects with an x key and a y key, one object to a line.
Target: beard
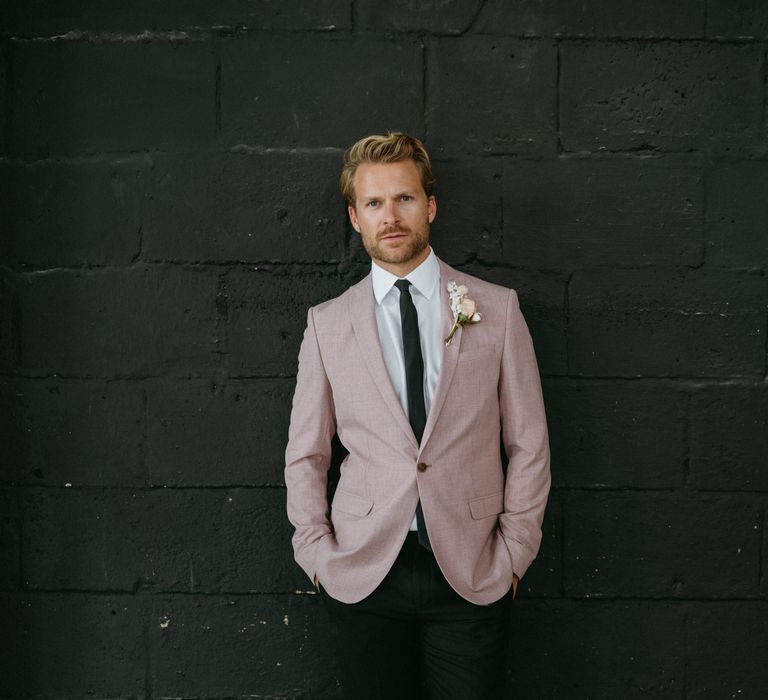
[{"x": 409, "y": 248}]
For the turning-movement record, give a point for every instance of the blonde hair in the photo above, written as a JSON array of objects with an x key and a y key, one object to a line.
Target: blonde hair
[{"x": 392, "y": 148}]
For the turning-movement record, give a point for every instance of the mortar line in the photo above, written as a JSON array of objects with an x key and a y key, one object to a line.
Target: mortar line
[
  {"x": 216, "y": 373},
  {"x": 567, "y": 322},
  {"x": 190, "y": 35},
  {"x": 694, "y": 157},
  {"x": 425, "y": 59},
  {"x": 563, "y": 512},
  {"x": 148, "y": 672},
  {"x": 20, "y": 530},
  {"x": 764, "y": 76},
  {"x": 18, "y": 324},
  {"x": 267, "y": 265},
  {"x": 137, "y": 256},
  {"x": 559, "y": 146},
  {"x": 765, "y": 344},
  {"x": 217, "y": 94},
  {"x": 704, "y": 217},
  {"x": 7, "y": 113},
  {"x": 502, "y": 203},
  {"x": 687, "y": 432},
  {"x": 617, "y": 490},
  {"x": 585, "y": 599},
  {"x": 200, "y": 34},
  {"x": 705, "y": 22},
  {"x": 95, "y": 488},
  {"x": 221, "y": 306},
  {"x": 760, "y": 572},
  {"x": 147, "y": 467}
]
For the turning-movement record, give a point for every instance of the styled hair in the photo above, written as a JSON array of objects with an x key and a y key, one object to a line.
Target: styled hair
[{"x": 392, "y": 148}]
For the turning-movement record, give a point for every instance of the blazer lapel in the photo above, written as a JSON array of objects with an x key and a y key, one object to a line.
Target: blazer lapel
[
  {"x": 450, "y": 352},
  {"x": 362, "y": 315}
]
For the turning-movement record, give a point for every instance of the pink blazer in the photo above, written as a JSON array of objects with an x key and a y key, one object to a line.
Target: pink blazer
[{"x": 482, "y": 526}]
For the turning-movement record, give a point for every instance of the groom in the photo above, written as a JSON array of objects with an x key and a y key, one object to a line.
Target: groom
[{"x": 422, "y": 371}]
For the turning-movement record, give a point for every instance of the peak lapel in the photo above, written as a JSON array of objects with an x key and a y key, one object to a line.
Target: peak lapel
[{"x": 363, "y": 318}]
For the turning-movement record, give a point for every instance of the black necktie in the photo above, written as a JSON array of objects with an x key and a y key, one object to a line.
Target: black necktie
[{"x": 414, "y": 379}]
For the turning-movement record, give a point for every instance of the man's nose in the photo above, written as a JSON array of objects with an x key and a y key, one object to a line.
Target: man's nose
[{"x": 390, "y": 212}]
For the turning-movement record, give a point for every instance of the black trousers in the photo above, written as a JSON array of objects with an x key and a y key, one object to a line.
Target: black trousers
[{"x": 415, "y": 638}]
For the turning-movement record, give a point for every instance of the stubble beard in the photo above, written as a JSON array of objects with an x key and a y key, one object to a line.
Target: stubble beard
[{"x": 415, "y": 244}]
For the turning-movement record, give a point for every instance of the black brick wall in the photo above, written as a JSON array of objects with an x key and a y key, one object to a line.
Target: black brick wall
[{"x": 169, "y": 211}]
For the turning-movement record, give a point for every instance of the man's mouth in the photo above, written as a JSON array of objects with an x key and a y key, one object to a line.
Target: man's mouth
[{"x": 393, "y": 234}]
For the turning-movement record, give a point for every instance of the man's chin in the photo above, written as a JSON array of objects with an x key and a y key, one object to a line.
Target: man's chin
[{"x": 396, "y": 254}]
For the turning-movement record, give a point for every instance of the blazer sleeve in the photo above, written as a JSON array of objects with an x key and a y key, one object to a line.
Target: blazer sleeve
[
  {"x": 526, "y": 442},
  {"x": 308, "y": 453}
]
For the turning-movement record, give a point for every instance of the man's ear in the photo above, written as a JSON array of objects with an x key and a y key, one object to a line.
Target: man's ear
[
  {"x": 431, "y": 208},
  {"x": 353, "y": 218}
]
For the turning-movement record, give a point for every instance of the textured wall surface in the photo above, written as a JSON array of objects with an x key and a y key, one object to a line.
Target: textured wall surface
[{"x": 168, "y": 213}]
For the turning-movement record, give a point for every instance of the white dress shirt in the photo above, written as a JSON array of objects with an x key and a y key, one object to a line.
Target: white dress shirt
[{"x": 425, "y": 292}]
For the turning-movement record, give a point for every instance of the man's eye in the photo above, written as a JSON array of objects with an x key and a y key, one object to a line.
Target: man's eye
[
  {"x": 407, "y": 197},
  {"x": 372, "y": 203}
]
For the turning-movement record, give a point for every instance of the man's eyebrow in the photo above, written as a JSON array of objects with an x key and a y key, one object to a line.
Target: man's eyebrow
[
  {"x": 397, "y": 194},
  {"x": 367, "y": 197}
]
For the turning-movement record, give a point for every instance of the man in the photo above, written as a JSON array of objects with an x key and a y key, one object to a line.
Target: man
[{"x": 421, "y": 550}]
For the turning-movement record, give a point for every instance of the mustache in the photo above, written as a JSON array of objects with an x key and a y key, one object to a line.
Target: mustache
[{"x": 387, "y": 230}]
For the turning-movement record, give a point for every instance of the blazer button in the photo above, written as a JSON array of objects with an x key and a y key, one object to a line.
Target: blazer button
[{"x": 422, "y": 467}]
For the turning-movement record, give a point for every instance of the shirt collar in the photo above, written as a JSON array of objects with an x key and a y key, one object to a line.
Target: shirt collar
[{"x": 424, "y": 278}]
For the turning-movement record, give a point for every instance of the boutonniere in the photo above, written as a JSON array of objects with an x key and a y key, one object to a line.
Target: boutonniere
[{"x": 463, "y": 308}]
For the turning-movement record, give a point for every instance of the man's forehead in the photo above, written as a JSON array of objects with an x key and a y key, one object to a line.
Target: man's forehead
[{"x": 402, "y": 175}]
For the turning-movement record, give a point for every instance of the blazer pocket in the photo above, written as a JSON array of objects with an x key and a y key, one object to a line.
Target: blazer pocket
[
  {"x": 478, "y": 353},
  {"x": 351, "y": 504},
  {"x": 486, "y": 506}
]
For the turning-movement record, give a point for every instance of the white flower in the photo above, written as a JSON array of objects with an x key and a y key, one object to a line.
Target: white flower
[
  {"x": 463, "y": 308},
  {"x": 467, "y": 307}
]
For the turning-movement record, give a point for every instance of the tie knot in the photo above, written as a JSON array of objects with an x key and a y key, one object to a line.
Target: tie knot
[{"x": 402, "y": 285}]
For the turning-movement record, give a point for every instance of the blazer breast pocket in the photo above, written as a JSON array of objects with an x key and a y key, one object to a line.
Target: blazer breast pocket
[
  {"x": 479, "y": 353},
  {"x": 351, "y": 504}
]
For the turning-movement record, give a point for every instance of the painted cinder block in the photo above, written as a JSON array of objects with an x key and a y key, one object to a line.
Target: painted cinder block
[
  {"x": 729, "y": 437},
  {"x": 73, "y": 644},
  {"x": 666, "y": 322},
  {"x": 159, "y": 540},
  {"x": 737, "y": 215},
  {"x": 513, "y": 103},
  {"x": 246, "y": 207},
  {"x": 368, "y": 86},
  {"x": 593, "y": 423},
  {"x": 79, "y": 97},
  {"x": 220, "y": 432},
  {"x": 109, "y": 322},
  {"x": 597, "y": 18},
  {"x": 662, "y": 545},
  {"x": 604, "y": 649},
  {"x": 81, "y": 432},
  {"x": 73, "y": 212},
  {"x": 267, "y": 315},
  {"x": 661, "y": 96},
  {"x": 573, "y": 213},
  {"x": 239, "y": 646}
]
